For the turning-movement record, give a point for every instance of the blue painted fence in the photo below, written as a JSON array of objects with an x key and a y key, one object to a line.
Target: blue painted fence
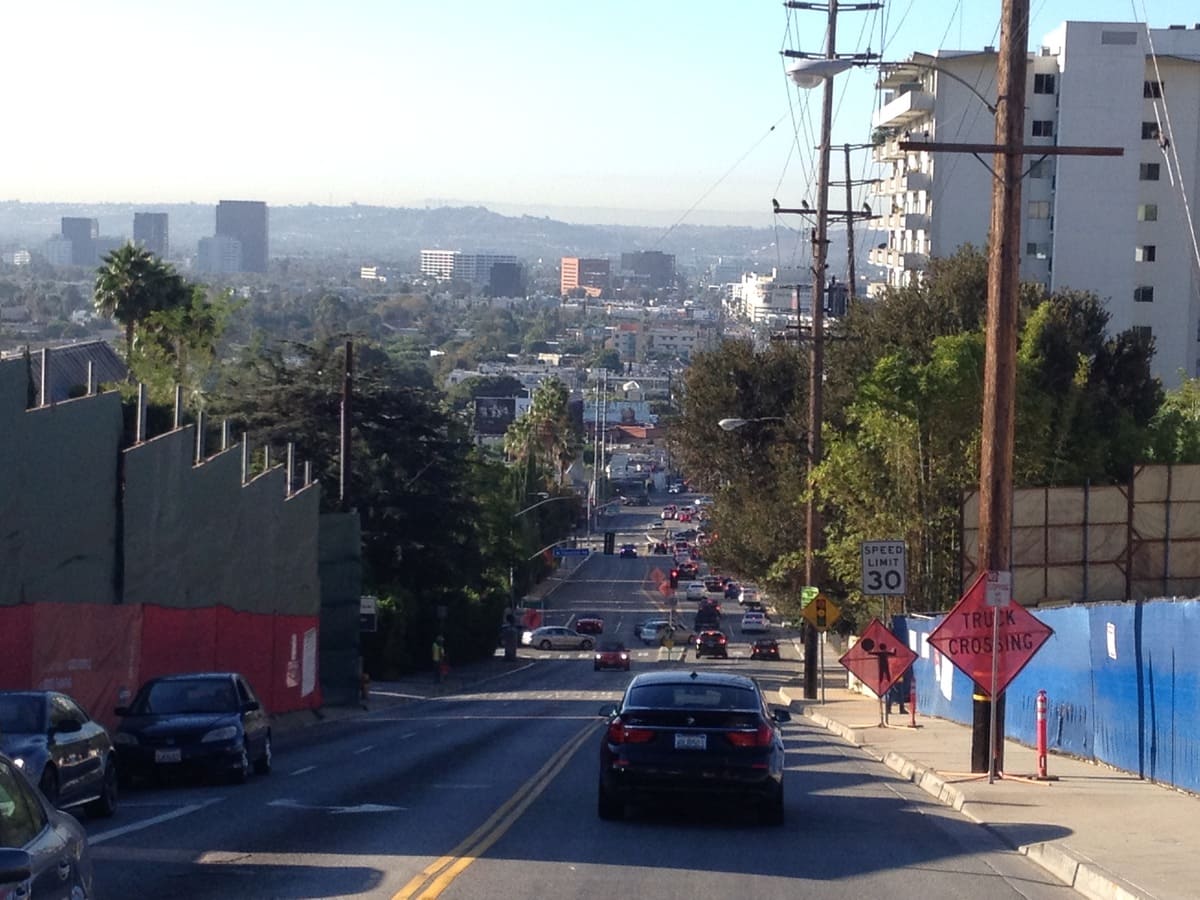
[{"x": 1122, "y": 681}]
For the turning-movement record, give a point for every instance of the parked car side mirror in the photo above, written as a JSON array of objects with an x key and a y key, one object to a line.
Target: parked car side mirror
[
  {"x": 608, "y": 711},
  {"x": 121, "y": 711},
  {"x": 781, "y": 715},
  {"x": 251, "y": 706}
]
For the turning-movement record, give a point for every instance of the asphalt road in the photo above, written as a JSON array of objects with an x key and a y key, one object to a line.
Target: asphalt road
[{"x": 492, "y": 793}]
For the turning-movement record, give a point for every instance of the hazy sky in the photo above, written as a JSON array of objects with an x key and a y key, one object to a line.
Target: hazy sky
[{"x": 524, "y": 106}]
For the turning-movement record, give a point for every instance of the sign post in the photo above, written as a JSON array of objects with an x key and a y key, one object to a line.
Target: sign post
[
  {"x": 884, "y": 570},
  {"x": 820, "y": 612}
]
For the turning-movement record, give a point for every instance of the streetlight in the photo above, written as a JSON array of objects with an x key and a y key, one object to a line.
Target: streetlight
[
  {"x": 735, "y": 423},
  {"x": 811, "y": 73}
]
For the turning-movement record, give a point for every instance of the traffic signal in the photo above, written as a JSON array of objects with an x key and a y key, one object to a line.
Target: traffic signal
[{"x": 674, "y": 578}]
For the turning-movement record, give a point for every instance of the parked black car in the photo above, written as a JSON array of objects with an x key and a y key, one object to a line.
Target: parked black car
[
  {"x": 40, "y": 847},
  {"x": 60, "y": 748},
  {"x": 697, "y": 734},
  {"x": 203, "y": 723}
]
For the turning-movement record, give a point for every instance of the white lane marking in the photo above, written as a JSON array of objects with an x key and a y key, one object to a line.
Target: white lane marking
[
  {"x": 410, "y": 734},
  {"x": 151, "y": 822},
  {"x": 364, "y": 749},
  {"x": 460, "y": 787},
  {"x": 304, "y": 770}
]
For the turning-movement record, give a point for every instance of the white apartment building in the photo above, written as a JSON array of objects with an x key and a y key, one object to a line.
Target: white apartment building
[
  {"x": 473, "y": 267},
  {"x": 1116, "y": 226},
  {"x": 770, "y": 299}
]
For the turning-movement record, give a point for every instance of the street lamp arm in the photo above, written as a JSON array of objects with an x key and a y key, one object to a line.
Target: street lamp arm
[
  {"x": 732, "y": 424},
  {"x": 933, "y": 67},
  {"x": 522, "y": 512},
  {"x": 812, "y": 72}
]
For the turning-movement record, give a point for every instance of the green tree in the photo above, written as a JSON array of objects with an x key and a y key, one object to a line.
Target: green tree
[
  {"x": 546, "y": 435},
  {"x": 131, "y": 284}
]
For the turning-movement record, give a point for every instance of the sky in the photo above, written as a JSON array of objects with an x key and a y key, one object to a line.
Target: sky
[{"x": 626, "y": 111}]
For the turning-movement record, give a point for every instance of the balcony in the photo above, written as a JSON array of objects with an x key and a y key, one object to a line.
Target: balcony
[
  {"x": 894, "y": 259},
  {"x": 908, "y": 181},
  {"x": 905, "y": 109},
  {"x": 902, "y": 221}
]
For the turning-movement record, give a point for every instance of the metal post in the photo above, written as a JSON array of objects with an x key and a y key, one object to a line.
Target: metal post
[{"x": 347, "y": 392}]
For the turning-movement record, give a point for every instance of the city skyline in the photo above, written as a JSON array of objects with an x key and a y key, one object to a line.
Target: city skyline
[{"x": 646, "y": 114}]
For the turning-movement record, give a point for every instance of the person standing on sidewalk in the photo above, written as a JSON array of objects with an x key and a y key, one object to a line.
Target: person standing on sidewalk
[{"x": 439, "y": 659}]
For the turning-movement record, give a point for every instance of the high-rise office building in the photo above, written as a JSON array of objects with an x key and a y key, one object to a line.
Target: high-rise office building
[
  {"x": 82, "y": 233},
  {"x": 150, "y": 231},
  {"x": 219, "y": 255},
  {"x": 1115, "y": 226},
  {"x": 245, "y": 221},
  {"x": 590, "y": 274},
  {"x": 655, "y": 268}
]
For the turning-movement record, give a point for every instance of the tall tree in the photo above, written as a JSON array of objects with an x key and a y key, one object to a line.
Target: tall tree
[
  {"x": 132, "y": 283},
  {"x": 546, "y": 432}
]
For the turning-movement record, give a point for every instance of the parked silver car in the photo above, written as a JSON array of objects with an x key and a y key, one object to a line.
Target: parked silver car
[
  {"x": 43, "y": 852},
  {"x": 556, "y": 637}
]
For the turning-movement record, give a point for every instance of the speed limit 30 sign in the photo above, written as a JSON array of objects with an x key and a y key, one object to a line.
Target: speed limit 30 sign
[{"x": 884, "y": 568}]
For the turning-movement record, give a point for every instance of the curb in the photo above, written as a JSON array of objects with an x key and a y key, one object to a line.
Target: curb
[{"x": 1081, "y": 874}]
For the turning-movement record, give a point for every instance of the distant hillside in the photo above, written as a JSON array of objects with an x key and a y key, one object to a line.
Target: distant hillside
[{"x": 397, "y": 235}]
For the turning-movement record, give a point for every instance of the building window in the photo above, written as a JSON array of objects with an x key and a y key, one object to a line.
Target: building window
[
  {"x": 1148, "y": 212},
  {"x": 1037, "y": 251},
  {"x": 1144, "y": 254},
  {"x": 1143, "y": 294},
  {"x": 1039, "y": 209},
  {"x": 1143, "y": 333},
  {"x": 1043, "y": 128},
  {"x": 1149, "y": 131},
  {"x": 1041, "y": 169},
  {"x": 1152, "y": 90},
  {"x": 1148, "y": 172},
  {"x": 1044, "y": 84}
]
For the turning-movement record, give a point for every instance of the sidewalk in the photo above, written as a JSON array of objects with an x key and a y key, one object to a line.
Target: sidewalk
[{"x": 1107, "y": 833}]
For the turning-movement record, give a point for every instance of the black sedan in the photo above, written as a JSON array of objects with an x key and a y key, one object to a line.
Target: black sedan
[
  {"x": 765, "y": 648},
  {"x": 60, "y": 748},
  {"x": 204, "y": 723},
  {"x": 43, "y": 852},
  {"x": 697, "y": 734}
]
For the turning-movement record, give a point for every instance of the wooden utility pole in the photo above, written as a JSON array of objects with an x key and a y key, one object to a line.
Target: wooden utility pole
[
  {"x": 999, "y": 379},
  {"x": 344, "y": 449}
]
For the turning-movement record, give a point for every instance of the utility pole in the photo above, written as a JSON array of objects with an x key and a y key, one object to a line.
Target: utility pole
[
  {"x": 999, "y": 385},
  {"x": 813, "y": 534},
  {"x": 344, "y": 449}
]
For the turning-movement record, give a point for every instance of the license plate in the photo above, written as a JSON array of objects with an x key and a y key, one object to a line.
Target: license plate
[
  {"x": 691, "y": 742},
  {"x": 167, "y": 756}
]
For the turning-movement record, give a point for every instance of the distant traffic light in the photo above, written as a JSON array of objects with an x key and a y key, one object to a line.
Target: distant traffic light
[{"x": 674, "y": 578}]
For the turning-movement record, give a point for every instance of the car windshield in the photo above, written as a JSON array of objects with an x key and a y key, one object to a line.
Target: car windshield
[
  {"x": 201, "y": 695},
  {"x": 22, "y": 715},
  {"x": 691, "y": 696},
  {"x": 611, "y": 647}
]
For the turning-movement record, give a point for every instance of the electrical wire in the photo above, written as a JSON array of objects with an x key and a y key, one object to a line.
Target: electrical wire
[
  {"x": 766, "y": 134},
  {"x": 1171, "y": 150}
]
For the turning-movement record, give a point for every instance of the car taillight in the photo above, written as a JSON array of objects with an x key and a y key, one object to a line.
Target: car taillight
[
  {"x": 620, "y": 733},
  {"x": 760, "y": 737}
]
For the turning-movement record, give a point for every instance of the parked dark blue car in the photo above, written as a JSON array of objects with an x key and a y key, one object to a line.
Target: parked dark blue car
[{"x": 208, "y": 724}]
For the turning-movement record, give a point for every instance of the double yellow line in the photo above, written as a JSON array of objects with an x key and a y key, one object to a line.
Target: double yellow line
[{"x": 436, "y": 877}]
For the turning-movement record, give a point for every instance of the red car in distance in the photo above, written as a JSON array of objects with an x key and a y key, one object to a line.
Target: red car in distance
[
  {"x": 589, "y": 625},
  {"x": 611, "y": 655}
]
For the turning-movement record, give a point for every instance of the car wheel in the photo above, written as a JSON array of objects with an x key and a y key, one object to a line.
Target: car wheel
[
  {"x": 262, "y": 765},
  {"x": 771, "y": 811},
  {"x": 595, "y": 668},
  {"x": 608, "y": 807},
  {"x": 545, "y": 645},
  {"x": 585, "y": 644},
  {"x": 106, "y": 804},
  {"x": 49, "y": 784}
]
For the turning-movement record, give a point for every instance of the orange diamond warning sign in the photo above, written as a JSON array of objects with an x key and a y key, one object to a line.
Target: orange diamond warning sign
[
  {"x": 879, "y": 659},
  {"x": 975, "y": 630}
]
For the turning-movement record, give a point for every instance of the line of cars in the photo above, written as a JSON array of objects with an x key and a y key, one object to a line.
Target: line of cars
[{"x": 55, "y": 757}]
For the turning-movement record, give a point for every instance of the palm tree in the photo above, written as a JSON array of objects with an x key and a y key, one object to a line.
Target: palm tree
[
  {"x": 131, "y": 284},
  {"x": 546, "y": 431}
]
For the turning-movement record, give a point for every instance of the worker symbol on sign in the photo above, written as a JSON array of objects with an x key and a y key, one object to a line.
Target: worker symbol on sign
[
  {"x": 879, "y": 658},
  {"x": 882, "y": 652}
]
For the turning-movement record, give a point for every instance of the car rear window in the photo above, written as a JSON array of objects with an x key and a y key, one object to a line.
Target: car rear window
[{"x": 691, "y": 696}]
